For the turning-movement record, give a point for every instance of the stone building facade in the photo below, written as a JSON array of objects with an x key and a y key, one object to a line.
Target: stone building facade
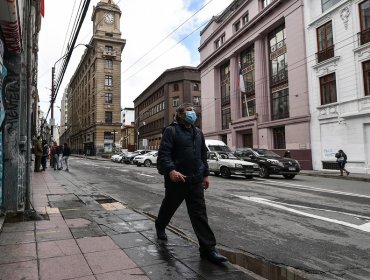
[
  {"x": 254, "y": 77},
  {"x": 155, "y": 107},
  {"x": 94, "y": 94},
  {"x": 338, "y": 51}
]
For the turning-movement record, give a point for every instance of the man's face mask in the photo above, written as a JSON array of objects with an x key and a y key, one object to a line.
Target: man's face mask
[{"x": 190, "y": 117}]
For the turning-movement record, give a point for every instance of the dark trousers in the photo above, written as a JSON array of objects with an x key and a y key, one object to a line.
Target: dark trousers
[
  {"x": 193, "y": 194},
  {"x": 43, "y": 162},
  {"x": 37, "y": 163}
]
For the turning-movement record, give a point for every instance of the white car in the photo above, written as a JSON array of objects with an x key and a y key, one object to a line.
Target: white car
[
  {"x": 147, "y": 159},
  {"x": 117, "y": 157},
  {"x": 226, "y": 164}
]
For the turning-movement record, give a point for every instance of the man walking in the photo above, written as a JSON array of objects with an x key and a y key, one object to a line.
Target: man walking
[
  {"x": 66, "y": 154},
  {"x": 183, "y": 156}
]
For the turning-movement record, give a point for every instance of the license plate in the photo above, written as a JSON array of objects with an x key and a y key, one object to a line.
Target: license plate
[{"x": 291, "y": 168}]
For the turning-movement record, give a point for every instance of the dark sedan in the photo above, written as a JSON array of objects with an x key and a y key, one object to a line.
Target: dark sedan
[{"x": 270, "y": 162}]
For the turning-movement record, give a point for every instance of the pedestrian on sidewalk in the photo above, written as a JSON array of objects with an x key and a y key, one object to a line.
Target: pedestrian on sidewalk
[
  {"x": 66, "y": 154},
  {"x": 60, "y": 149},
  {"x": 183, "y": 156},
  {"x": 341, "y": 160},
  {"x": 45, "y": 153},
  {"x": 55, "y": 155},
  {"x": 38, "y": 154}
]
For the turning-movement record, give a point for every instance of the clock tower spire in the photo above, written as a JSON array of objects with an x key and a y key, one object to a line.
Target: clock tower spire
[{"x": 106, "y": 18}]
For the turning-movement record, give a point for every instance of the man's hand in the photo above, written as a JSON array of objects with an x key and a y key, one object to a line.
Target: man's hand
[
  {"x": 205, "y": 182},
  {"x": 177, "y": 176}
]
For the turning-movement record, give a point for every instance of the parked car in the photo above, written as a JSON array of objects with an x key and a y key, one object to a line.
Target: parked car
[
  {"x": 147, "y": 159},
  {"x": 129, "y": 158},
  {"x": 270, "y": 162},
  {"x": 117, "y": 157},
  {"x": 226, "y": 164}
]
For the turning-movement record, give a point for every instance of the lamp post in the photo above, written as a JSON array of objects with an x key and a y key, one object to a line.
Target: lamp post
[
  {"x": 53, "y": 91},
  {"x": 114, "y": 140},
  {"x": 137, "y": 134}
]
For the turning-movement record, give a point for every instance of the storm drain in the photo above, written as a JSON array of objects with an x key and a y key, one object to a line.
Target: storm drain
[
  {"x": 102, "y": 199},
  {"x": 263, "y": 268}
]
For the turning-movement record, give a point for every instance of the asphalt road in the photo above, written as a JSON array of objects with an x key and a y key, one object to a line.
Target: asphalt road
[{"x": 317, "y": 225}]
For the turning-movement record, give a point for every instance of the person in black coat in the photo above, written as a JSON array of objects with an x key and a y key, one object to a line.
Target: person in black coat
[
  {"x": 183, "y": 156},
  {"x": 341, "y": 160}
]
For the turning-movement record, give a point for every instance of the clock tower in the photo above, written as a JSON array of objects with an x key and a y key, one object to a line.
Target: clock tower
[{"x": 106, "y": 17}]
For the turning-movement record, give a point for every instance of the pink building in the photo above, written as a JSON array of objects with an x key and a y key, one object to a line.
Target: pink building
[{"x": 254, "y": 78}]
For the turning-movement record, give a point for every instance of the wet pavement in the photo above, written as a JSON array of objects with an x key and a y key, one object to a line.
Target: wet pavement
[{"x": 78, "y": 233}]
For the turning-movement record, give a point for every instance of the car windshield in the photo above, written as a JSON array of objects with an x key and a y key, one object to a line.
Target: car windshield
[
  {"x": 266, "y": 153},
  {"x": 226, "y": 155}
]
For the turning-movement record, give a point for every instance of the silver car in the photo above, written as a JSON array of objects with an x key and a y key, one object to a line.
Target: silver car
[{"x": 226, "y": 164}]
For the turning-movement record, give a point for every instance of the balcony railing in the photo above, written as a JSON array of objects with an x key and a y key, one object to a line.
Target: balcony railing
[
  {"x": 249, "y": 87},
  {"x": 325, "y": 54},
  {"x": 280, "y": 77},
  {"x": 364, "y": 36}
]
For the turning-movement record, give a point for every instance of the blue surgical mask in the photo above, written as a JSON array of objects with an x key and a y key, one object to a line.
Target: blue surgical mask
[{"x": 190, "y": 117}]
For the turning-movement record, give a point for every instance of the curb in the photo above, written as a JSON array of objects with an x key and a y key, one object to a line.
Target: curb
[{"x": 351, "y": 178}]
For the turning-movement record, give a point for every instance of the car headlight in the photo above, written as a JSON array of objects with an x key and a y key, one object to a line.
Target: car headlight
[
  {"x": 275, "y": 162},
  {"x": 238, "y": 165}
]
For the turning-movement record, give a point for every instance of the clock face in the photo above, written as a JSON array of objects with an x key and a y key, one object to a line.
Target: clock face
[{"x": 108, "y": 18}]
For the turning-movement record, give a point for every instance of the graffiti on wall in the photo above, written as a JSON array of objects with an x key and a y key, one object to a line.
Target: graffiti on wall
[{"x": 2, "y": 116}]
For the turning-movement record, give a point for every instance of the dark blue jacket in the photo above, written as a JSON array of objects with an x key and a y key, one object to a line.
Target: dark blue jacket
[{"x": 187, "y": 153}]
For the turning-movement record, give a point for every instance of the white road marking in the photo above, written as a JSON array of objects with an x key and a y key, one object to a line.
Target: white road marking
[
  {"x": 302, "y": 187},
  {"x": 364, "y": 227},
  {"x": 146, "y": 175}
]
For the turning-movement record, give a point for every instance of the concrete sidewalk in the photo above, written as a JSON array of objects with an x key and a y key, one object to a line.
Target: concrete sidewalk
[{"x": 83, "y": 234}]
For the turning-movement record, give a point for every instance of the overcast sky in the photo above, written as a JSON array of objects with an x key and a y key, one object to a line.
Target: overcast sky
[{"x": 144, "y": 25}]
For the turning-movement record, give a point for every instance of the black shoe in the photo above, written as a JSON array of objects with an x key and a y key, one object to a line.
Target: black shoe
[
  {"x": 213, "y": 256},
  {"x": 161, "y": 234}
]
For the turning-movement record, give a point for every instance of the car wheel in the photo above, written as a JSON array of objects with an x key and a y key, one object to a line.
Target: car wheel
[
  {"x": 147, "y": 163},
  {"x": 121, "y": 161},
  {"x": 225, "y": 172},
  {"x": 249, "y": 176},
  {"x": 217, "y": 173},
  {"x": 289, "y": 176},
  {"x": 263, "y": 172}
]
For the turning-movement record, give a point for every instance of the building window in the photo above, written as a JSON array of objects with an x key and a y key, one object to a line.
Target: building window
[
  {"x": 108, "y": 80},
  {"x": 109, "y": 63},
  {"x": 248, "y": 106},
  {"x": 245, "y": 19},
  {"x": 226, "y": 118},
  {"x": 327, "y": 4},
  {"x": 195, "y": 87},
  {"x": 196, "y": 100},
  {"x": 325, "y": 43},
  {"x": 108, "y": 117},
  {"x": 328, "y": 89},
  {"x": 265, "y": 3},
  {"x": 220, "y": 41},
  {"x": 108, "y": 48},
  {"x": 175, "y": 102},
  {"x": 225, "y": 84},
  {"x": 366, "y": 74},
  {"x": 237, "y": 25},
  {"x": 364, "y": 35},
  {"x": 278, "y": 56},
  {"x": 108, "y": 97},
  {"x": 280, "y": 104},
  {"x": 279, "y": 137},
  {"x": 175, "y": 87}
]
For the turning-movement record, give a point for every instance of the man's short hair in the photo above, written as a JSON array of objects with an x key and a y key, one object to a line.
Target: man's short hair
[{"x": 183, "y": 106}]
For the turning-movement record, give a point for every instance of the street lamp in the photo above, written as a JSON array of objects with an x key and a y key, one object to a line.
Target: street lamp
[
  {"x": 114, "y": 139},
  {"x": 53, "y": 91},
  {"x": 137, "y": 135}
]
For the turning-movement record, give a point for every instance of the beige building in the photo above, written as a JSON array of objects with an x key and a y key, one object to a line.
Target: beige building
[
  {"x": 94, "y": 94},
  {"x": 155, "y": 107}
]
